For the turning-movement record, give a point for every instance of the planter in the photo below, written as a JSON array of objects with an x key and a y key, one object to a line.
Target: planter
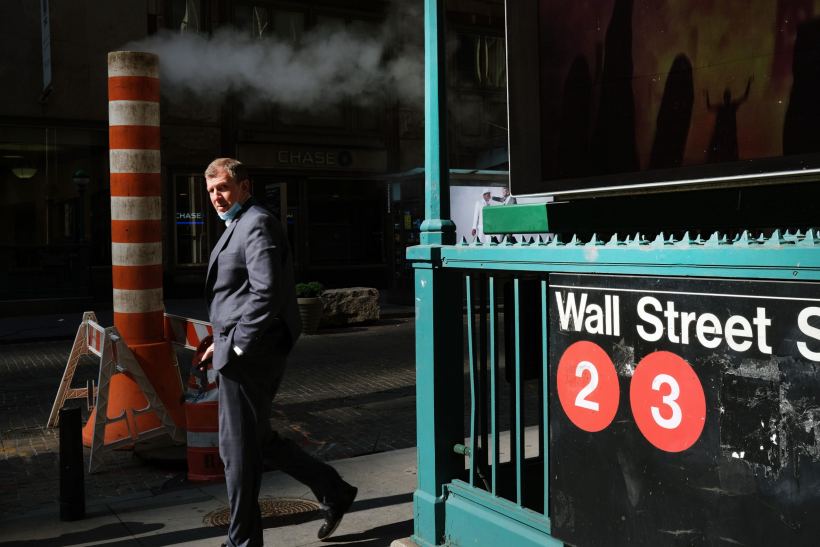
[{"x": 310, "y": 311}]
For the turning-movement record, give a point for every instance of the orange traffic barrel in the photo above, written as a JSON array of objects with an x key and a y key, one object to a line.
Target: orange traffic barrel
[
  {"x": 202, "y": 419},
  {"x": 204, "y": 463}
]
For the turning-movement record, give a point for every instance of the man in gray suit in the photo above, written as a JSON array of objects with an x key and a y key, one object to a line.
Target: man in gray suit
[{"x": 252, "y": 306}]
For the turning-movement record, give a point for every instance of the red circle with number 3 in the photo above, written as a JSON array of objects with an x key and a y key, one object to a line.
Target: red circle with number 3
[
  {"x": 667, "y": 401},
  {"x": 587, "y": 386}
]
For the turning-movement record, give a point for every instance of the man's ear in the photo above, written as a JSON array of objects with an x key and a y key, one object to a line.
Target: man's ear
[{"x": 245, "y": 186}]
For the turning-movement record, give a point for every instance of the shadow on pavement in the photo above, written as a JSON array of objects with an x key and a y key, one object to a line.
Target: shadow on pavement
[
  {"x": 102, "y": 533},
  {"x": 121, "y": 534},
  {"x": 380, "y": 535}
]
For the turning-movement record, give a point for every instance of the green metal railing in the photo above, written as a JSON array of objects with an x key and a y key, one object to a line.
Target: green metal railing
[{"x": 512, "y": 279}]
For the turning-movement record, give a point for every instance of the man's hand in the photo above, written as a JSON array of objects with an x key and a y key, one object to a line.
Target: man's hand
[{"x": 207, "y": 356}]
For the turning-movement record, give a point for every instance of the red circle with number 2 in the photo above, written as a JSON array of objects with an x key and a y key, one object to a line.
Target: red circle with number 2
[
  {"x": 667, "y": 401},
  {"x": 587, "y": 386}
]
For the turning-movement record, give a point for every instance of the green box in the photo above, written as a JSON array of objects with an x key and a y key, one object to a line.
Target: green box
[{"x": 530, "y": 218}]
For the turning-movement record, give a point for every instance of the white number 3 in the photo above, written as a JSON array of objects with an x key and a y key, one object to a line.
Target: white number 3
[
  {"x": 581, "y": 400},
  {"x": 669, "y": 400}
]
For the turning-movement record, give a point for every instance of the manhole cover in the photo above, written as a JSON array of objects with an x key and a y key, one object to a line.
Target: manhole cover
[{"x": 275, "y": 511}]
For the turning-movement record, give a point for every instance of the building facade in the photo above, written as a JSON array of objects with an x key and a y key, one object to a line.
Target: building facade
[{"x": 328, "y": 168}]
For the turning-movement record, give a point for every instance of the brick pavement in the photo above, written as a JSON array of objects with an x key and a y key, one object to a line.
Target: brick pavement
[{"x": 346, "y": 392}]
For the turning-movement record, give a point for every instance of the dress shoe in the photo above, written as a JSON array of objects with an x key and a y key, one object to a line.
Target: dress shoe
[{"x": 336, "y": 509}]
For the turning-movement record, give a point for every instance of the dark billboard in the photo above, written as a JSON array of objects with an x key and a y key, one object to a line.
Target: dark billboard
[
  {"x": 684, "y": 411},
  {"x": 652, "y": 91}
]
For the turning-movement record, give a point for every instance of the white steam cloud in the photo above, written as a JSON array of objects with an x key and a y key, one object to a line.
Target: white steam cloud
[{"x": 327, "y": 65}]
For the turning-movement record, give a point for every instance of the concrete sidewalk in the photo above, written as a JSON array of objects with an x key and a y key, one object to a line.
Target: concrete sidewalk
[{"x": 382, "y": 513}]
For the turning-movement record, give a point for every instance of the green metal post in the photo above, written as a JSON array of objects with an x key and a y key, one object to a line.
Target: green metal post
[
  {"x": 439, "y": 322},
  {"x": 439, "y": 395},
  {"x": 437, "y": 228}
]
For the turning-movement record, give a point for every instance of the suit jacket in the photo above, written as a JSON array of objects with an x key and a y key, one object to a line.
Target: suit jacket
[{"x": 250, "y": 288}]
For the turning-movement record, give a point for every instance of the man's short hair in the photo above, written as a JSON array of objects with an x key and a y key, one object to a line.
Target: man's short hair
[{"x": 235, "y": 168}]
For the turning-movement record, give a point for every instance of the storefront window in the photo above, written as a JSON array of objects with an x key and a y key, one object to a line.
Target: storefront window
[
  {"x": 49, "y": 239},
  {"x": 481, "y": 61},
  {"x": 346, "y": 225},
  {"x": 261, "y": 21},
  {"x": 189, "y": 223},
  {"x": 289, "y": 25},
  {"x": 186, "y": 16}
]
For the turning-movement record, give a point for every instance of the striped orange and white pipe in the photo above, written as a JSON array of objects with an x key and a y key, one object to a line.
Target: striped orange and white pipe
[
  {"x": 136, "y": 195},
  {"x": 136, "y": 244}
]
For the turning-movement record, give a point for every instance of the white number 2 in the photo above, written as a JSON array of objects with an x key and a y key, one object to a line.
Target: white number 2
[
  {"x": 669, "y": 400},
  {"x": 581, "y": 400}
]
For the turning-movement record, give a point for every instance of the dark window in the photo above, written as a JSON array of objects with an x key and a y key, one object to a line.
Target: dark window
[
  {"x": 346, "y": 223},
  {"x": 190, "y": 209}
]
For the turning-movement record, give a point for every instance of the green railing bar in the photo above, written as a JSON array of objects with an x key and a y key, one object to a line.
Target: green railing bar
[
  {"x": 493, "y": 364},
  {"x": 545, "y": 441},
  {"x": 481, "y": 380},
  {"x": 472, "y": 374},
  {"x": 519, "y": 445}
]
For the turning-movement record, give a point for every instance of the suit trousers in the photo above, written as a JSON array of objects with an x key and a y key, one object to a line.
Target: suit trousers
[{"x": 247, "y": 443}]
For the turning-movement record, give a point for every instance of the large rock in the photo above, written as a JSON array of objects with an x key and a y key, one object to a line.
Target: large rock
[{"x": 350, "y": 305}]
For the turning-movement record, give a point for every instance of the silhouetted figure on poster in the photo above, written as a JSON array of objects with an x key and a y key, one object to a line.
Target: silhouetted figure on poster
[
  {"x": 674, "y": 116},
  {"x": 723, "y": 146},
  {"x": 800, "y": 134},
  {"x": 613, "y": 142},
  {"x": 573, "y": 144}
]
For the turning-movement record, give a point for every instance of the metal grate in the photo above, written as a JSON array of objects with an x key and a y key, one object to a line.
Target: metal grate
[{"x": 281, "y": 511}]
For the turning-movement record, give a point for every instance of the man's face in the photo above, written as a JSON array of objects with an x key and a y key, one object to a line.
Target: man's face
[
  {"x": 224, "y": 191},
  {"x": 486, "y": 196}
]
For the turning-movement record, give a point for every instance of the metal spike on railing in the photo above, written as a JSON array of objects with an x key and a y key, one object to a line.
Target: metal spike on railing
[
  {"x": 555, "y": 241},
  {"x": 573, "y": 241},
  {"x": 811, "y": 239},
  {"x": 638, "y": 240},
  {"x": 463, "y": 240},
  {"x": 715, "y": 240},
  {"x": 685, "y": 240},
  {"x": 699, "y": 240},
  {"x": 615, "y": 241},
  {"x": 659, "y": 240},
  {"x": 540, "y": 240},
  {"x": 743, "y": 238},
  {"x": 776, "y": 240},
  {"x": 761, "y": 238},
  {"x": 793, "y": 237},
  {"x": 594, "y": 240}
]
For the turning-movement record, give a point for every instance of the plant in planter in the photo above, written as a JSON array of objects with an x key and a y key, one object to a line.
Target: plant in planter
[{"x": 310, "y": 305}]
